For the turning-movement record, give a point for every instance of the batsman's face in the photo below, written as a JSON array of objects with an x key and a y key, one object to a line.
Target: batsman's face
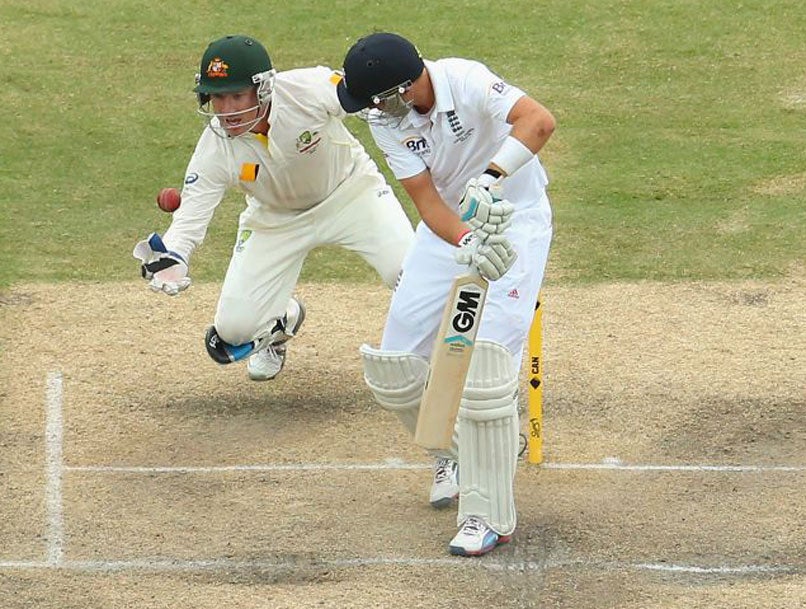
[
  {"x": 393, "y": 104},
  {"x": 237, "y": 112}
]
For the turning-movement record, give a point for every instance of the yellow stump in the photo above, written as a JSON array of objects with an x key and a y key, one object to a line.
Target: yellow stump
[{"x": 535, "y": 387}]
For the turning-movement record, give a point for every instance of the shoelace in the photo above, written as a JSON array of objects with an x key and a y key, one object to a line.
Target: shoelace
[
  {"x": 444, "y": 470},
  {"x": 273, "y": 351},
  {"x": 473, "y": 525}
]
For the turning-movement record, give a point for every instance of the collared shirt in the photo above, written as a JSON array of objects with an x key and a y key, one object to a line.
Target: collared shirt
[
  {"x": 307, "y": 155},
  {"x": 457, "y": 138}
]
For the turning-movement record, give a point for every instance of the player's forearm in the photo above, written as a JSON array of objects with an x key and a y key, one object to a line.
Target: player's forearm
[
  {"x": 188, "y": 227},
  {"x": 436, "y": 214},
  {"x": 443, "y": 221}
]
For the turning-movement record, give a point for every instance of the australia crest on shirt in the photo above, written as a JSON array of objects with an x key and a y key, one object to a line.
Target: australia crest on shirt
[{"x": 308, "y": 141}]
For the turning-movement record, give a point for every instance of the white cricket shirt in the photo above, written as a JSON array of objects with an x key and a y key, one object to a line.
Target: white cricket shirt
[
  {"x": 457, "y": 138},
  {"x": 307, "y": 155},
  {"x": 455, "y": 142}
]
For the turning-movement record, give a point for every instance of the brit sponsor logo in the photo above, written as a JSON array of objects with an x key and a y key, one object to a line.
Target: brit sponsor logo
[
  {"x": 191, "y": 177},
  {"x": 499, "y": 87},
  {"x": 418, "y": 145}
]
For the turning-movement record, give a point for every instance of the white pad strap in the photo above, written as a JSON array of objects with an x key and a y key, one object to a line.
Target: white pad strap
[
  {"x": 487, "y": 425},
  {"x": 397, "y": 379}
]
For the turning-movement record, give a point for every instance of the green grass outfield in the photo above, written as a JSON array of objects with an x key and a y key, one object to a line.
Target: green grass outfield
[{"x": 679, "y": 153}]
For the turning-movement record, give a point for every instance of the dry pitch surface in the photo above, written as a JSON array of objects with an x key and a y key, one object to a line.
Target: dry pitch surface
[{"x": 137, "y": 473}]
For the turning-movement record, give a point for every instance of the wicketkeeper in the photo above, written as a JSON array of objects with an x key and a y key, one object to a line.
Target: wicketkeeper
[
  {"x": 463, "y": 143},
  {"x": 279, "y": 138}
]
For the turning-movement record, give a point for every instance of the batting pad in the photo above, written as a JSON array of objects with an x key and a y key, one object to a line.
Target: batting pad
[
  {"x": 396, "y": 378},
  {"x": 487, "y": 425}
]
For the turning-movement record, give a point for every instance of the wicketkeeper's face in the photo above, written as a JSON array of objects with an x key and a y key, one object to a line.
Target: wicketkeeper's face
[{"x": 237, "y": 112}]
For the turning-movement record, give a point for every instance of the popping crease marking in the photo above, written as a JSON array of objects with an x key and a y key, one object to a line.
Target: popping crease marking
[
  {"x": 400, "y": 465},
  {"x": 167, "y": 565}
]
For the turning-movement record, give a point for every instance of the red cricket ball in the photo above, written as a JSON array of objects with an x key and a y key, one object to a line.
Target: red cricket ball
[{"x": 169, "y": 199}]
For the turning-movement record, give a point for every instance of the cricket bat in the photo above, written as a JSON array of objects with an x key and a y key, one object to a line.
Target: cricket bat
[{"x": 450, "y": 360}]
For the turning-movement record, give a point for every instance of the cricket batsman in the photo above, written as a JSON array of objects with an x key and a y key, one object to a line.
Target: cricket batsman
[{"x": 463, "y": 143}]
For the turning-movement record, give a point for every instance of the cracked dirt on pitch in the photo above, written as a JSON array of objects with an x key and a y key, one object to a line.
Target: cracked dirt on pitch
[{"x": 670, "y": 375}]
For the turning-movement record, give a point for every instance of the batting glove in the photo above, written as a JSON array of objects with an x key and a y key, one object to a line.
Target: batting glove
[
  {"x": 166, "y": 270},
  {"x": 491, "y": 259},
  {"x": 482, "y": 207}
]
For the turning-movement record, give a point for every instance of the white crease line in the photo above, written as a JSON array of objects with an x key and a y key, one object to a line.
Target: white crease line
[
  {"x": 291, "y": 467},
  {"x": 53, "y": 448},
  {"x": 400, "y": 465},
  {"x": 724, "y": 570},
  {"x": 166, "y": 565},
  {"x": 26, "y": 565},
  {"x": 677, "y": 468}
]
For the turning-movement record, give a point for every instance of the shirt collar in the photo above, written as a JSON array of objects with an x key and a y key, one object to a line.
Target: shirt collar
[
  {"x": 442, "y": 89},
  {"x": 443, "y": 98}
]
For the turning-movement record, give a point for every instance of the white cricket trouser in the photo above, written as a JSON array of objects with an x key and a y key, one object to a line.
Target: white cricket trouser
[
  {"x": 362, "y": 215},
  {"x": 428, "y": 272}
]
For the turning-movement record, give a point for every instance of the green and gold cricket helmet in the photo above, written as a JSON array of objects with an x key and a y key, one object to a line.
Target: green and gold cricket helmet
[{"x": 230, "y": 64}]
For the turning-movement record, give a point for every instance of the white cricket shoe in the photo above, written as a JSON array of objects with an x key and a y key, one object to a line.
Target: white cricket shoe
[
  {"x": 265, "y": 364},
  {"x": 445, "y": 488},
  {"x": 475, "y": 538},
  {"x": 294, "y": 316}
]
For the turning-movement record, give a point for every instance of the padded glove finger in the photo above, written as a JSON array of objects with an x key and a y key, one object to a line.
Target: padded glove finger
[
  {"x": 166, "y": 270},
  {"x": 493, "y": 261},
  {"x": 171, "y": 281},
  {"x": 475, "y": 201},
  {"x": 484, "y": 230}
]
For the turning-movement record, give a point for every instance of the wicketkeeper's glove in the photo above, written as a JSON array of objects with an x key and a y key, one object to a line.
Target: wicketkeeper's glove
[
  {"x": 166, "y": 271},
  {"x": 491, "y": 258},
  {"x": 482, "y": 207}
]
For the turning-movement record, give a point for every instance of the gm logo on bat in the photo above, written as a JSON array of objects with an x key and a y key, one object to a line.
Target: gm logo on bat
[{"x": 467, "y": 307}]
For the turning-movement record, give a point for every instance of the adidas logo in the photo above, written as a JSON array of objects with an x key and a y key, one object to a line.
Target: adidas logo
[{"x": 513, "y": 293}]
